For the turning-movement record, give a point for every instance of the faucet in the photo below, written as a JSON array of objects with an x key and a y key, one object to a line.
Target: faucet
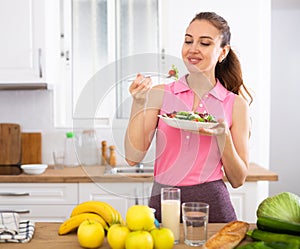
[{"x": 139, "y": 166}]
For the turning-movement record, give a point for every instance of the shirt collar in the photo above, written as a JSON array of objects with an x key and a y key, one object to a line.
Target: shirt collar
[{"x": 219, "y": 91}]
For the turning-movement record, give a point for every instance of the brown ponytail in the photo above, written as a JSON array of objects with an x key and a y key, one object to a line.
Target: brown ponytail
[{"x": 229, "y": 71}]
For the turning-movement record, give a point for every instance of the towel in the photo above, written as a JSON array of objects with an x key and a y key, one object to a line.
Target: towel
[
  {"x": 14, "y": 230},
  {"x": 9, "y": 223}
]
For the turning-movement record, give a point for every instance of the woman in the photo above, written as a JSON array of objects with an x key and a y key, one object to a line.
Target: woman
[{"x": 196, "y": 161}]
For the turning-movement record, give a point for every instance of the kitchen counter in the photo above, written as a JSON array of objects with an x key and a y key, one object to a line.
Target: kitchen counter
[
  {"x": 46, "y": 237},
  {"x": 96, "y": 174}
]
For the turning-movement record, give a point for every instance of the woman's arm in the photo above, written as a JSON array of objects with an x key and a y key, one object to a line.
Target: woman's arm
[
  {"x": 143, "y": 119},
  {"x": 235, "y": 144}
]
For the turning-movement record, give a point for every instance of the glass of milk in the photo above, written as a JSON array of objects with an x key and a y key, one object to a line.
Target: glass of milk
[{"x": 170, "y": 210}]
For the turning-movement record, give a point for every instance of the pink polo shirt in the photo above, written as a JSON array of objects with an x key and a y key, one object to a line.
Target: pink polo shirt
[{"x": 185, "y": 158}]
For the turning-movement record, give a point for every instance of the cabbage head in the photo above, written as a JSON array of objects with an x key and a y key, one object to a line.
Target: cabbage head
[{"x": 284, "y": 206}]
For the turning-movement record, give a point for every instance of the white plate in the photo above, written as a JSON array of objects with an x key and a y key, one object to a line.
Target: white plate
[{"x": 187, "y": 124}]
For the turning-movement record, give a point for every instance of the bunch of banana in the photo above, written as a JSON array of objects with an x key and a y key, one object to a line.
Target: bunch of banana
[
  {"x": 73, "y": 223},
  {"x": 96, "y": 210}
]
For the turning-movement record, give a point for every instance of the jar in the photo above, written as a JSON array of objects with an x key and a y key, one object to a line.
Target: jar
[{"x": 87, "y": 148}]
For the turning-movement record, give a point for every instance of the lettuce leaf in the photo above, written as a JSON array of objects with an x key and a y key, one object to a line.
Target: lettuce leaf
[{"x": 284, "y": 206}]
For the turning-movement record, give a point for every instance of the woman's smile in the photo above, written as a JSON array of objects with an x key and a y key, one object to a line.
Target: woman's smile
[{"x": 194, "y": 60}]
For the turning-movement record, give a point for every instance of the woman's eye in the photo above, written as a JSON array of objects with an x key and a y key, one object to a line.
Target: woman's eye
[
  {"x": 188, "y": 42},
  {"x": 205, "y": 44}
]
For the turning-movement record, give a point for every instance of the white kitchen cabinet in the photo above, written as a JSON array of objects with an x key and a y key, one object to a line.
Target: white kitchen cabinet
[
  {"x": 22, "y": 42},
  {"x": 147, "y": 188},
  {"x": 245, "y": 201},
  {"x": 39, "y": 201},
  {"x": 120, "y": 195},
  {"x": 55, "y": 201}
]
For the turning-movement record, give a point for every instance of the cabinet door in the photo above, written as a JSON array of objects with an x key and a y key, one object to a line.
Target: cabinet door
[
  {"x": 39, "y": 201},
  {"x": 120, "y": 195},
  {"x": 22, "y": 41},
  {"x": 38, "y": 193},
  {"x": 245, "y": 201},
  {"x": 147, "y": 192},
  {"x": 41, "y": 213}
]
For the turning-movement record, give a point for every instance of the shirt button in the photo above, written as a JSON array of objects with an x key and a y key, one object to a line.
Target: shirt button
[{"x": 187, "y": 137}]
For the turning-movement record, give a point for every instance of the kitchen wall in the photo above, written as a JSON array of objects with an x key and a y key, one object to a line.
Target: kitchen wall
[
  {"x": 34, "y": 111},
  {"x": 285, "y": 93}
]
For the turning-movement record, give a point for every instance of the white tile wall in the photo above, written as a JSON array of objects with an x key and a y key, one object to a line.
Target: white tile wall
[{"x": 33, "y": 110}]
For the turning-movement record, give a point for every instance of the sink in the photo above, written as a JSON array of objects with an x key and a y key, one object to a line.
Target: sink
[{"x": 132, "y": 170}]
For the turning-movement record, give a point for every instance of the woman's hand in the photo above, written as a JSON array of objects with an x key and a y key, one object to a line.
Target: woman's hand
[
  {"x": 220, "y": 129},
  {"x": 139, "y": 88}
]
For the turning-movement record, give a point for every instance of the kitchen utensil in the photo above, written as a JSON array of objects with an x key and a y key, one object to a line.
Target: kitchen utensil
[
  {"x": 34, "y": 169},
  {"x": 58, "y": 158},
  {"x": 31, "y": 148},
  {"x": 10, "y": 144},
  {"x": 86, "y": 147},
  {"x": 195, "y": 220},
  {"x": 187, "y": 124}
]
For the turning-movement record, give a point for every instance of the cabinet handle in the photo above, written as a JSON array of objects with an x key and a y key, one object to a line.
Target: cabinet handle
[
  {"x": 14, "y": 194},
  {"x": 136, "y": 196},
  {"x": 67, "y": 55},
  {"x": 15, "y": 211},
  {"x": 163, "y": 52},
  {"x": 40, "y": 63}
]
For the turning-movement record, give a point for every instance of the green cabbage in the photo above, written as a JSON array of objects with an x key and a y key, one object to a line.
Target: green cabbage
[{"x": 284, "y": 206}]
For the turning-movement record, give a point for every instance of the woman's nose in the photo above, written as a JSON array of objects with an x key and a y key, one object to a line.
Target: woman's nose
[{"x": 194, "y": 48}]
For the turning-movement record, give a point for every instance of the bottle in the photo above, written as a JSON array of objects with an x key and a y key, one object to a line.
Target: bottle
[
  {"x": 70, "y": 151},
  {"x": 88, "y": 152},
  {"x": 104, "y": 153},
  {"x": 112, "y": 156}
]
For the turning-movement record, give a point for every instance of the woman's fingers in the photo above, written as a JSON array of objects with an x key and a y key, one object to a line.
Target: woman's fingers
[
  {"x": 140, "y": 87},
  {"x": 218, "y": 130}
]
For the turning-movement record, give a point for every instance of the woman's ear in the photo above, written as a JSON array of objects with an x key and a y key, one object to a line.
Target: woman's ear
[{"x": 224, "y": 52}]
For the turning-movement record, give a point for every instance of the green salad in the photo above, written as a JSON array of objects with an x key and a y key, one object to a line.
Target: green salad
[{"x": 191, "y": 116}]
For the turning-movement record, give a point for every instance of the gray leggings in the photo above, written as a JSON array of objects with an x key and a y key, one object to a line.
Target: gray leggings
[{"x": 214, "y": 193}]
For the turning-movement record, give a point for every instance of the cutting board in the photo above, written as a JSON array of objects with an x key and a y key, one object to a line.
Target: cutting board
[
  {"x": 31, "y": 148},
  {"x": 10, "y": 144}
]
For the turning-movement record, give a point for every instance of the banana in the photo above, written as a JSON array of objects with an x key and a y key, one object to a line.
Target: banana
[
  {"x": 74, "y": 222},
  {"x": 119, "y": 217},
  {"x": 106, "y": 211}
]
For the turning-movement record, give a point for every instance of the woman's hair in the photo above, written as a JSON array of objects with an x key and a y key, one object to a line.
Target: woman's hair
[{"x": 229, "y": 71}]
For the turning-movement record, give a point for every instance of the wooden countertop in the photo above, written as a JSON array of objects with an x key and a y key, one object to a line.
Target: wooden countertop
[
  {"x": 46, "y": 237},
  {"x": 96, "y": 174}
]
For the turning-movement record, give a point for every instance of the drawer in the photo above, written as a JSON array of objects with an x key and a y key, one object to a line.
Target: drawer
[
  {"x": 41, "y": 213},
  {"x": 91, "y": 191},
  {"x": 38, "y": 193}
]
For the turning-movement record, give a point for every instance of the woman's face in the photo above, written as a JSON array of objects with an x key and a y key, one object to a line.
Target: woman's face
[{"x": 201, "y": 49}]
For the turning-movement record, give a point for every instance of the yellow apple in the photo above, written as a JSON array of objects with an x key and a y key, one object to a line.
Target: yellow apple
[
  {"x": 139, "y": 240},
  {"x": 90, "y": 234},
  {"x": 117, "y": 235},
  {"x": 139, "y": 217},
  {"x": 163, "y": 238}
]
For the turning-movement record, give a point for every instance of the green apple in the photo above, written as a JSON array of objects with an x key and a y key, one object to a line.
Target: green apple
[
  {"x": 138, "y": 240},
  {"x": 163, "y": 238},
  {"x": 116, "y": 236},
  {"x": 140, "y": 217},
  {"x": 90, "y": 234}
]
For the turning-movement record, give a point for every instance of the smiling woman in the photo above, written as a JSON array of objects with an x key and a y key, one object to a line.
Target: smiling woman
[{"x": 195, "y": 161}]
